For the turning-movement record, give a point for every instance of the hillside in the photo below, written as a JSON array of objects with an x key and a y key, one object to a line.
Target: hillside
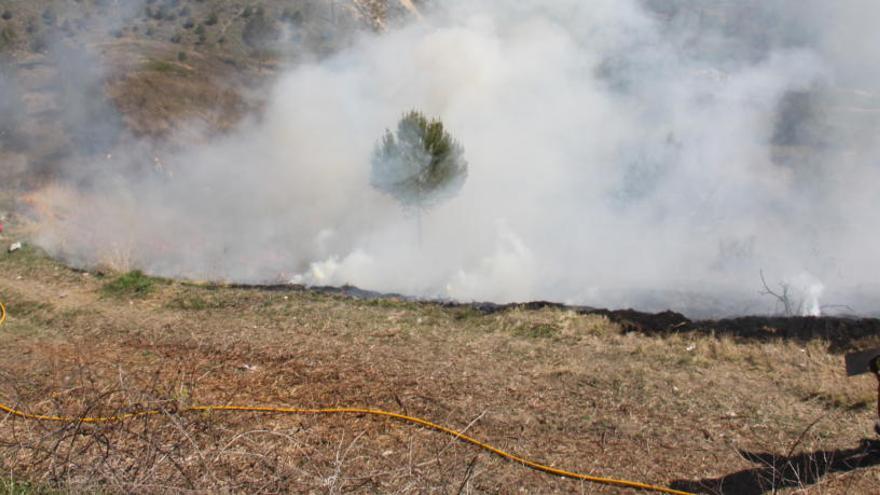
[{"x": 78, "y": 76}]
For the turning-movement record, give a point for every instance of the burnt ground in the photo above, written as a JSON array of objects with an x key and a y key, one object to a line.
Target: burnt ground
[
  {"x": 711, "y": 407},
  {"x": 842, "y": 333}
]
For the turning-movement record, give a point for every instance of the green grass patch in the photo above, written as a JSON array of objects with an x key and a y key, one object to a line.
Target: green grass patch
[
  {"x": 12, "y": 487},
  {"x": 7, "y": 38},
  {"x": 193, "y": 302},
  {"x": 128, "y": 285},
  {"x": 28, "y": 257},
  {"x": 166, "y": 67},
  {"x": 537, "y": 331},
  {"x": 465, "y": 313},
  {"x": 28, "y": 308},
  {"x": 190, "y": 303}
]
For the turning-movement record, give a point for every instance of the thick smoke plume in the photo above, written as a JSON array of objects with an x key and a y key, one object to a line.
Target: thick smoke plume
[{"x": 654, "y": 154}]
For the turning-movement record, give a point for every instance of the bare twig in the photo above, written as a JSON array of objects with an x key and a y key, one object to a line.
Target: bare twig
[
  {"x": 467, "y": 474},
  {"x": 804, "y": 434},
  {"x": 784, "y": 298}
]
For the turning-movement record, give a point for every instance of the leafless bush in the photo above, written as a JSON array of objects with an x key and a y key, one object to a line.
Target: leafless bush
[
  {"x": 178, "y": 451},
  {"x": 784, "y": 297}
]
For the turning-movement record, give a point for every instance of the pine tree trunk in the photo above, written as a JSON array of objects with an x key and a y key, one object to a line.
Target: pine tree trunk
[
  {"x": 419, "y": 215},
  {"x": 419, "y": 225}
]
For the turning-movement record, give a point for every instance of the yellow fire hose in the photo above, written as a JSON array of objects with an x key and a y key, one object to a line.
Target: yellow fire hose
[{"x": 343, "y": 410}]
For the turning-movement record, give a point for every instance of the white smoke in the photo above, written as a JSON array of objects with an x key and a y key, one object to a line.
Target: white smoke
[
  {"x": 616, "y": 158},
  {"x": 812, "y": 289}
]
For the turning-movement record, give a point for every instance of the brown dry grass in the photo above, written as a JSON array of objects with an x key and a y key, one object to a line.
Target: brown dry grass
[
  {"x": 158, "y": 94},
  {"x": 566, "y": 389}
]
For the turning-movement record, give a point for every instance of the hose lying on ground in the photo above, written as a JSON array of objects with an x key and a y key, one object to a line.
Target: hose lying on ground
[{"x": 342, "y": 410}]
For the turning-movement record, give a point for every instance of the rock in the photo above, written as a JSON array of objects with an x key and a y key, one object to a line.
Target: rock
[{"x": 14, "y": 247}]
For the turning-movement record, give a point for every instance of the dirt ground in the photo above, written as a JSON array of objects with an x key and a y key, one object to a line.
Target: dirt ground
[{"x": 704, "y": 413}]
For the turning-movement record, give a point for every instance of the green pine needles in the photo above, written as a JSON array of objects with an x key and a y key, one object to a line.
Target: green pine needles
[{"x": 419, "y": 166}]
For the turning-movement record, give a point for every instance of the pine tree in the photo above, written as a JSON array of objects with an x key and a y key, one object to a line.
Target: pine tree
[{"x": 419, "y": 166}]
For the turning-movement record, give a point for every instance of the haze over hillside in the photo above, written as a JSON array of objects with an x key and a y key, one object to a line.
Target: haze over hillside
[{"x": 656, "y": 154}]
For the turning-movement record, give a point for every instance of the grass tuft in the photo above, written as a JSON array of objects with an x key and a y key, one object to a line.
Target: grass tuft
[
  {"x": 194, "y": 302},
  {"x": 12, "y": 487},
  {"x": 536, "y": 331},
  {"x": 166, "y": 67},
  {"x": 131, "y": 284}
]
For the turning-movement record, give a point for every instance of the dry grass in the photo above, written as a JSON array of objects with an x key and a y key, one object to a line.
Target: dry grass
[
  {"x": 567, "y": 389},
  {"x": 157, "y": 94}
]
